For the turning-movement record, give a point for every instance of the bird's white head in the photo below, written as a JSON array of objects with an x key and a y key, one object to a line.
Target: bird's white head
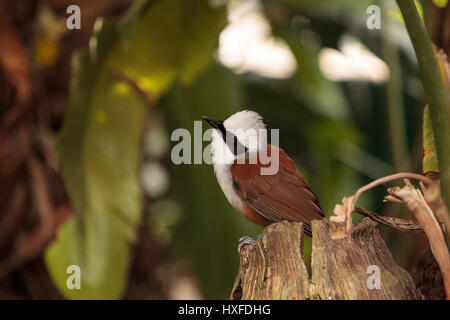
[
  {"x": 244, "y": 120},
  {"x": 243, "y": 134}
]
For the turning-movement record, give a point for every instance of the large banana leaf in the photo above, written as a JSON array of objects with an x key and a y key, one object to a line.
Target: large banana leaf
[{"x": 156, "y": 43}]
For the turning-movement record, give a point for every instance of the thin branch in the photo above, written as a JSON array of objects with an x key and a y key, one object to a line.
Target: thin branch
[
  {"x": 380, "y": 181},
  {"x": 399, "y": 224},
  {"x": 414, "y": 200}
]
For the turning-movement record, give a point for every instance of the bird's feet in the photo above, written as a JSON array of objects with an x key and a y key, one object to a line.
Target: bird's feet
[{"x": 243, "y": 241}]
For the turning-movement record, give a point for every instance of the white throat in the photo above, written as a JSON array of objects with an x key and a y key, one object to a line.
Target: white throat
[{"x": 223, "y": 159}]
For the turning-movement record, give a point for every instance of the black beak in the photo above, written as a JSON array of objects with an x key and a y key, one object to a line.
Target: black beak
[{"x": 214, "y": 123}]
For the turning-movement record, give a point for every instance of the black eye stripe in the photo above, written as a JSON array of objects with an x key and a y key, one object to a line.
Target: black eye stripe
[
  {"x": 233, "y": 143},
  {"x": 222, "y": 130}
]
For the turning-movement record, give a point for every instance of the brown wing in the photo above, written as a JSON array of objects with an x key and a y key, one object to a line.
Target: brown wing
[{"x": 282, "y": 196}]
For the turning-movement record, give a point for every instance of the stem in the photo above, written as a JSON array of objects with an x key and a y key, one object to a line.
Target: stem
[
  {"x": 383, "y": 180},
  {"x": 378, "y": 182},
  {"x": 394, "y": 99},
  {"x": 437, "y": 94},
  {"x": 395, "y": 118},
  {"x": 399, "y": 224}
]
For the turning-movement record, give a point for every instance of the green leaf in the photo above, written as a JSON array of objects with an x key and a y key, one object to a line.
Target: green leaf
[
  {"x": 174, "y": 40},
  {"x": 99, "y": 155},
  {"x": 440, "y": 3},
  {"x": 311, "y": 85},
  {"x": 326, "y": 7},
  {"x": 99, "y": 144},
  {"x": 430, "y": 160}
]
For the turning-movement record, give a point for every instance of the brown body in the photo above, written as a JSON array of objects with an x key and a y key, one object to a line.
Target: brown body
[{"x": 273, "y": 198}]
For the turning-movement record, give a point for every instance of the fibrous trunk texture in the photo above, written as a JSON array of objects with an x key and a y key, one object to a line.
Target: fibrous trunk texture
[{"x": 360, "y": 267}]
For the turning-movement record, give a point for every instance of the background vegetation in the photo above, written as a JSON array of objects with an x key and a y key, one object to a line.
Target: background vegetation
[{"x": 87, "y": 116}]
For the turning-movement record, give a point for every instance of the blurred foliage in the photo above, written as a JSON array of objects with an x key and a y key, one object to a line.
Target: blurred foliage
[
  {"x": 99, "y": 144},
  {"x": 158, "y": 61},
  {"x": 210, "y": 228},
  {"x": 183, "y": 36},
  {"x": 440, "y": 3}
]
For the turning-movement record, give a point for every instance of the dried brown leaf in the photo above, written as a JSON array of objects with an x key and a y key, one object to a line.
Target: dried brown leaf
[{"x": 414, "y": 200}]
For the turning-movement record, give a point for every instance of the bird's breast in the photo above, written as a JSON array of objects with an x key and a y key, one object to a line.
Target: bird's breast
[{"x": 225, "y": 180}]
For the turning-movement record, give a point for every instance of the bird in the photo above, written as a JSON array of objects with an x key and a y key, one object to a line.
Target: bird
[{"x": 237, "y": 144}]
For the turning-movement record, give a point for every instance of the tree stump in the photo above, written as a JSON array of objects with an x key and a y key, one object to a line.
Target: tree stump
[{"x": 273, "y": 267}]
